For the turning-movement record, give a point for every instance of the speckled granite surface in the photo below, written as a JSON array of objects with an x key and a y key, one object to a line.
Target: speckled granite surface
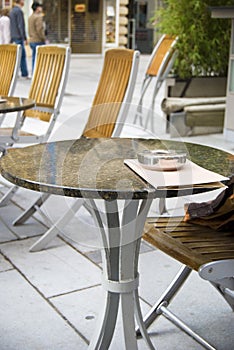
[{"x": 94, "y": 168}]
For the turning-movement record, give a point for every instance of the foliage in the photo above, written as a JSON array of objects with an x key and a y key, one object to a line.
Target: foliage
[{"x": 203, "y": 42}]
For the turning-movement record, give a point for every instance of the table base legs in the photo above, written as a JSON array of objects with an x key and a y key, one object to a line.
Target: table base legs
[{"x": 120, "y": 231}]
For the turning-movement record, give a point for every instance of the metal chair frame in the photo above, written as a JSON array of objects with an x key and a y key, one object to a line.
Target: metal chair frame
[
  {"x": 47, "y": 89},
  {"x": 160, "y": 64},
  {"x": 209, "y": 252}
]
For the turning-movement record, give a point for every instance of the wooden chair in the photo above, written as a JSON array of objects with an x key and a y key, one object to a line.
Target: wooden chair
[
  {"x": 106, "y": 119},
  {"x": 114, "y": 94},
  {"x": 160, "y": 64},
  {"x": 10, "y": 55},
  {"x": 199, "y": 248},
  {"x": 47, "y": 90}
]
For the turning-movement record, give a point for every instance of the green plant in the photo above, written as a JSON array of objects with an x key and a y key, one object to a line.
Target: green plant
[{"x": 203, "y": 42}]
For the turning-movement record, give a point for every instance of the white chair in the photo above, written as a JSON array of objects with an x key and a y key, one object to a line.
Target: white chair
[
  {"x": 160, "y": 64},
  {"x": 47, "y": 90},
  {"x": 10, "y": 55},
  {"x": 199, "y": 248}
]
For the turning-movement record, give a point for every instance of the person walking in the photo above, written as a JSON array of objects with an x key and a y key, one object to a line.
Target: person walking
[
  {"x": 18, "y": 34},
  {"x": 36, "y": 30},
  {"x": 5, "y": 29}
]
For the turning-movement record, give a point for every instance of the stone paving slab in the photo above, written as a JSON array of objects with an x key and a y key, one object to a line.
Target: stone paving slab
[
  {"x": 5, "y": 265},
  {"x": 84, "y": 316},
  {"x": 197, "y": 303},
  {"x": 11, "y": 211},
  {"x": 28, "y": 321},
  {"x": 32, "y": 228},
  {"x": 52, "y": 271}
]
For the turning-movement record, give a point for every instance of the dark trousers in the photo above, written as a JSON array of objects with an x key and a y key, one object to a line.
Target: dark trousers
[
  {"x": 33, "y": 48},
  {"x": 23, "y": 63}
]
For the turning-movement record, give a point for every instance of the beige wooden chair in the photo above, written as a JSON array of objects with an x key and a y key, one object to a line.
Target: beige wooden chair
[
  {"x": 106, "y": 119},
  {"x": 10, "y": 55},
  {"x": 160, "y": 64},
  {"x": 199, "y": 248},
  {"x": 114, "y": 94},
  {"x": 47, "y": 90}
]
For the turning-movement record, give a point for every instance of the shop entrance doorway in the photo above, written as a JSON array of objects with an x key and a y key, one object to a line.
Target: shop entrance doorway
[{"x": 86, "y": 26}]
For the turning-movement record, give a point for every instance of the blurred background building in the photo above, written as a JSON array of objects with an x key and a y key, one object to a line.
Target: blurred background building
[{"x": 92, "y": 26}]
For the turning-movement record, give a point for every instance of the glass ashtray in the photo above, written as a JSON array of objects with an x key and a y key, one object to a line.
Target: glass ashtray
[{"x": 162, "y": 160}]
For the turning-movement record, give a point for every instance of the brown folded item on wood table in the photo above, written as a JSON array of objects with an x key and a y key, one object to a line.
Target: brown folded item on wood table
[{"x": 217, "y": 214}]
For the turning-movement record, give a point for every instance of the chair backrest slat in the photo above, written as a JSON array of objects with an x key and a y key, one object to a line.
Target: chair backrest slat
[
  {"x": 110, "y": 93},
  {"x": 164, "y": 47},
  {"x": 193, "y": 245},
  {"x": 9, "y": 64},
  {"x": 47, "y": 76}
]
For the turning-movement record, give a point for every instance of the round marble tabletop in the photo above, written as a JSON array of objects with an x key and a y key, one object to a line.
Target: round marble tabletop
[
  {"x": 15, "y": 104},
  {"x": 94, "y": 168}
]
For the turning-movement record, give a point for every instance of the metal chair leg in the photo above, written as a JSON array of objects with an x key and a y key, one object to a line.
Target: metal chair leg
[
  {"x": 226, "y": 293},
  {"x": 161, "y": 308},
  {"x": 145, "y": 86},
  {"x": 7, "y": 196},
  {"x": 31, "y": 209},
  {"x": 167, "y": 296},
  {"x": 56, "y": 228},
  {"x": 180, "y": 324}
]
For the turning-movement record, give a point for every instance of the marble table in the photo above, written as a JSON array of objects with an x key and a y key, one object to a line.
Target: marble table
[{"x": 93, "y": 169}]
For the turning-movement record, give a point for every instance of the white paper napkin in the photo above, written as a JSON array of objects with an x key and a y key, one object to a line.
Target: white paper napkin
[{"x": 190, "y": 174}]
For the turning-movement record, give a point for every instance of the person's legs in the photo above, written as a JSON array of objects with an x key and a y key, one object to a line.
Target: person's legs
[
  {"x": 34, "y": 47},
  {"x": 23, "y": 63}
]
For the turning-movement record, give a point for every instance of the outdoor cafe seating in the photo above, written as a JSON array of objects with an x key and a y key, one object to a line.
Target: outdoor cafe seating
[{"x": 204, "y": 249}]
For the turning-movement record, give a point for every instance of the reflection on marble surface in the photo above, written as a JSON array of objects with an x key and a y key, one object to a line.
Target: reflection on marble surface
[{"x": 14, "y": 104}]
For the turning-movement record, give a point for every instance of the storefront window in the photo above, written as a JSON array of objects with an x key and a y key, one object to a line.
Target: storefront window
[
  {"x": 110, "y": 21},
  {"x": 56, "y": 19},
  {"x": 86, "y": 26},
  {"x": 141, "y": 14}
]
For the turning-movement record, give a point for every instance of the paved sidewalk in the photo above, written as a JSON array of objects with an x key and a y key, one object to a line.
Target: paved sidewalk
[{"x": 50, "y": 300}]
